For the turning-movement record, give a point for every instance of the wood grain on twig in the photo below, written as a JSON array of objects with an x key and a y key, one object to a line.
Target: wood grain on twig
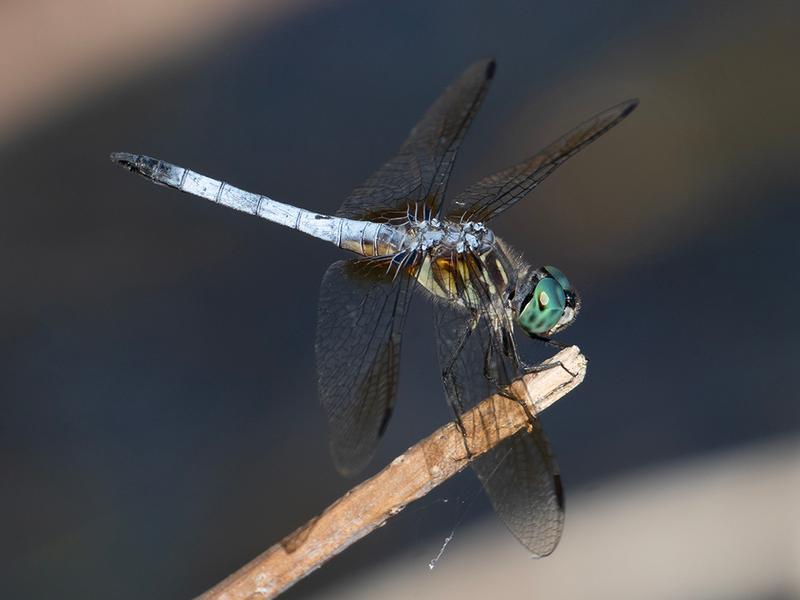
[{"x": 407, "y": 478}]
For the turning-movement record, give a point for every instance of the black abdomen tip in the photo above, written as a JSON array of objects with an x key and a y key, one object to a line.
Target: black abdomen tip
[{"x": 490, "y": 68}]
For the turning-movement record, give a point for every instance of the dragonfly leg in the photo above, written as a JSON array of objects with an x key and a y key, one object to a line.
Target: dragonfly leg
[
  {"x": 462, "y": 340},
  {"x": 510, "y": 350},
  {"x": 449, "y": 381},
  {"x": 457, "y": 406},
  {"x": 504, "y": 390},
  {"x": 551, "y": 342},
  {"x": 545, "y": 366}
]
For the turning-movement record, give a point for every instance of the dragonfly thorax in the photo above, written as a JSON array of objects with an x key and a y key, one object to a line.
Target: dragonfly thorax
[
  {"x": 456, "y": 260},
  {"x": 436, "y": 238}
]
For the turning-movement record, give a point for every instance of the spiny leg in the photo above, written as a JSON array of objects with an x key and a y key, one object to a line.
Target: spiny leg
[
  {"x": 450, "y": 383},
  {"x": 491, "y": 375},
  {"x": 538, "y": 368}
]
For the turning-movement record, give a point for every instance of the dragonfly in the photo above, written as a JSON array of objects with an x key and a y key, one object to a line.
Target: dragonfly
[{"x": 406, "y": 239}]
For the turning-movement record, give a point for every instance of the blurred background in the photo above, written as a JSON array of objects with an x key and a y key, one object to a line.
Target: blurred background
[{"x": 160, "y": 423}]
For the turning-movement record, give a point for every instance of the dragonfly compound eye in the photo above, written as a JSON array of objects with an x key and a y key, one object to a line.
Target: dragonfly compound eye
[{"x": 545, "y": 307}]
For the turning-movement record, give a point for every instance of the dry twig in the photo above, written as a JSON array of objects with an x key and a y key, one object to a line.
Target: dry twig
[{"x": 409, "y": 477}]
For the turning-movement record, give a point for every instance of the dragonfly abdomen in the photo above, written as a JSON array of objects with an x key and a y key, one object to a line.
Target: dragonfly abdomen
[
  {"x": 363, "y": 237},
  {"x": 446, "y": 242}
]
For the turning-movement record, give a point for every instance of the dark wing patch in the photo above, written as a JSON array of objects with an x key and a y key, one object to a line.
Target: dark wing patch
[{"x": 496, "y": 193}]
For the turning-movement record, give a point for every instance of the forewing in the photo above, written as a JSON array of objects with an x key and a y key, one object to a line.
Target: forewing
[
  {"x": 361, "y": 316},
  {"x": 418, "y": 174},
  {"x": 361, "y": 313},
  {"x": 520, "y": 475},
  {"x": 495, "y": 193}
]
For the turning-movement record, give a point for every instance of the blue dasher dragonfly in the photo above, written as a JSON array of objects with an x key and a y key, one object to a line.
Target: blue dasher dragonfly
[{"x": 407, "y": 238}]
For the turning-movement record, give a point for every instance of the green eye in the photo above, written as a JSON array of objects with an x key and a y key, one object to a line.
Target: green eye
[
  {"x": 558, "y": 276},
  {"x": 545, "y": 306}
]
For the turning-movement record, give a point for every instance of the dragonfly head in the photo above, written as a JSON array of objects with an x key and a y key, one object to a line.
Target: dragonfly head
[{"x": 548, "y": 303}]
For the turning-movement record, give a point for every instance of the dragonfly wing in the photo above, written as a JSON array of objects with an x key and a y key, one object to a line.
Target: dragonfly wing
[
  {"x": 361, "y": 316},
  {"x": 522, "y": 481},
  {"x": 520, "y": 475},
  {"x": 418, "y": 174},
  {"x": 495, "y": 193}
]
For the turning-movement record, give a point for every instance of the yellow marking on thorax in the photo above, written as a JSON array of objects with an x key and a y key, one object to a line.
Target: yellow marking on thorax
[{"x": 452, "y": 279}]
